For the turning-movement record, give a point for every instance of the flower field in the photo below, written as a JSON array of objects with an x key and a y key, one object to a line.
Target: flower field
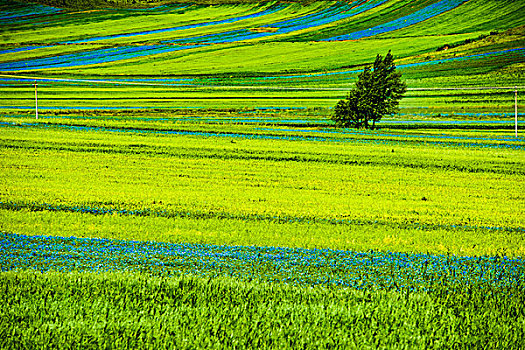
[
  {"x": 184, "y": 187},
  {"x": 166, "y": 231},
  {"x": 149, "y": 221},
  {"x": 369, "y": 271}
]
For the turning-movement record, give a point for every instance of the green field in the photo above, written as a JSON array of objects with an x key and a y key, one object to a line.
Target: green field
[
  {"x": 130, "y": 311},
  {"x": 433, "y": 194},
  {"x": 398, "y": 183},
  {"x": 184, "y": 186},
  {"x": 265, "y": 56}
]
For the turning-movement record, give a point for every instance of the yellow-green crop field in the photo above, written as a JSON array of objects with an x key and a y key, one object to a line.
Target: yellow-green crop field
[
  {"x": 182, "y": 234},
  {"x": 398, "y": 191},
  {"x": 183, "y": 186}
]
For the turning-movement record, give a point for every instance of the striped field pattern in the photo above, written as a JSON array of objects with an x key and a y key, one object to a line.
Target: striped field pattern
[{"x": 170, "y": 177}]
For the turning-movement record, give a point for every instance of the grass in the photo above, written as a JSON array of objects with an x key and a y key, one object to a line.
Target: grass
[
  {"x": 220, "y": 209},
  {"x": 247, "y": 61},
  {"x": 195, "y": 233},
  {"x": 233, "y": 187},
  {"x": 129, "y": 310}
]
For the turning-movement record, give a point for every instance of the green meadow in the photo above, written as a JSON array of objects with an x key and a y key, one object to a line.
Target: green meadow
[
  {"x": 184, "y": 187},
  {"x": 421, "y": 191},
  {"x": 182, "y": 56},
  {"x": 389, "y": 189}
]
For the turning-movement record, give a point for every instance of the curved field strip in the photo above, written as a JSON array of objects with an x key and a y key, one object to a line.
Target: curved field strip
[
  {"x": 138, "y": 45},
  {"x": 77, "y": 26},
  {"x": 263, "y": 12},
  {"x": 12, "y": 12},
  {"x": 515, "y": 55},
  {"x": 477, "y": 16},
  {"x": 20, "y": 49},
  {"x": 330, "y": 13},
  {"x": 92, "y": 22},
  {"x": 376, "y": 17},
  {"x": 123, "y": 27},
  {"x": 325, "y": 16},
  {"x": 428, "y": 12},
  {"x": 314, "y": 17},
  {"x": 87, "y": 58}
]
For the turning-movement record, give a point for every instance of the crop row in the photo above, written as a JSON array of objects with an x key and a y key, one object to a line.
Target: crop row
[
  {"x": 283, "y": 23},
  {"x": 513, "y": 54},
  {"x": 386, "y": 135},
  {"x": 91, "y": 57},
  {"x": 98, "y": 56},
  {"x": 325, "y": 15},
  {"x": 315, "y": 136},
  {"x": 319, "y": 18},
  {"x": 359, "y": 270},
  {"x": 48, "y": 17},
  {"x": 330, "y": 14},
  {"x": 265, "y": 117},
  {"x": 20, "y": 49},
  {"x": 270, "y": 10},
  {"x": 199, "y": 215},
  {"x": 11, "y": 11},
  {"x": 421, "y": 15}
]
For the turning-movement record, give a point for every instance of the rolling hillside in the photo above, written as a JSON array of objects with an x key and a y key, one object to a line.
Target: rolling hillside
[{"x": 247, "y": 55}]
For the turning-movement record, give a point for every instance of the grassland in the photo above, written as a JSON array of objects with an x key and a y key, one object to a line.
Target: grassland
[
  {"x": 129, "y": 310},
  {"x": 225, "y": 175},
  {"x": 183, "y": 186},
  {"x": 223, "y": 57},
  {"x": 407, "y": 242}
]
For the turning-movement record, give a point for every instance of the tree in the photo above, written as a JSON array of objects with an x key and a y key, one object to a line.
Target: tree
[{"x": 376, "y": 94}]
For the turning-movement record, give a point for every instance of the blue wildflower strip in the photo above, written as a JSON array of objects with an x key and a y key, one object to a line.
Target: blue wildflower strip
[
  {"x": 419, "y": 136},
  {"x": 334, "y": 13},
  {"x": 428, "y": 12},
  {"x": 272, "y": 9},
  {"x": 359, "y": 270},
  {"x": 17, "y": 11},
  {"x": 98, "y": 56},
  {"x": 20, "y": 49},
  {"x": 514, "y": 54}
]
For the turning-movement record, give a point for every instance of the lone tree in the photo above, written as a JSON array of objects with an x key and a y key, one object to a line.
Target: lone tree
[{"x": 377, "y": 93}]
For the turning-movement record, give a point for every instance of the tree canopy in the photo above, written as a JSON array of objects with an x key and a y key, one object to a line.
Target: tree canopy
[{"x": 377, "y": 93}]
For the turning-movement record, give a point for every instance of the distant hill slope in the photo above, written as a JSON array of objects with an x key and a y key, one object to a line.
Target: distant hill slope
[
  {"x": 319, "y": 45},
  {"x": 95, "y": 4}
]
